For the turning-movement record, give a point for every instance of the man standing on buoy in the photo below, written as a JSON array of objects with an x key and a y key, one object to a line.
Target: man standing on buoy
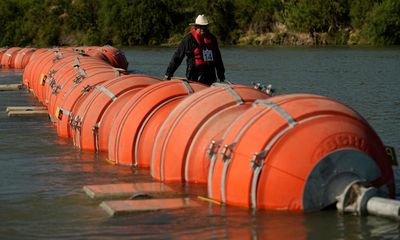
[{"x": 204, "y": 61}]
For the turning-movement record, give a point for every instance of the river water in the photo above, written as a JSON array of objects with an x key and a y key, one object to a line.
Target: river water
[{"x": 42, "y": 175}]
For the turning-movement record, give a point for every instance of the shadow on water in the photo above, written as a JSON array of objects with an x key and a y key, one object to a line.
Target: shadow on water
[{"x": 41, "y": 175}]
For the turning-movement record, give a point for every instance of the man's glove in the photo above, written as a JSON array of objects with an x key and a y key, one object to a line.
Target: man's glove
[{"x": 166, "y": 77}]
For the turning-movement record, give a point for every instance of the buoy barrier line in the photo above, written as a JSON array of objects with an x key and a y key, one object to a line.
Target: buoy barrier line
[
  {"x": 137, "y": 111},
  {"x": 70, "y": 81},
  {"x": 157, "y": 139},
  {"x": 164, "y": 146},
  {"x": 108, "y": 121},
  {"x": 31, "y": 65},
  {"x": 201, "y": 150},
  {"x": 291, "y": 136},
  {"x": 66, "y": 76},
  {"x": 40, "y": 68},
  {"x": 57, "y": 55},
  {"x": 258, "y": 159},
  {"x": 147, "y": 119},
  {"x": 170, "y": 132},
  {"x": 225, "y": 159},
  {"x": 92, "y": 108},
  {"x": 193, "y": 111},
  {"x": 142, "y": 127},
  {"x": 52, "y": 79},
  {"x": 258, "y": 162},
  {"x": 73, "y": 94},
  {"x": 124, "y": 114},
  {"x": 249, "y": 146},
  {"x": 8, "y": 57},
  {"x": 23, "y": 57},
  {"x": 42, "y": 89},
  {"x": 213, "y": 151}
]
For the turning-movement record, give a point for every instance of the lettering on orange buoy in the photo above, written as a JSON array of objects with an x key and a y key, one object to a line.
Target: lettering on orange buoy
[{"x": 338, "y": 141}]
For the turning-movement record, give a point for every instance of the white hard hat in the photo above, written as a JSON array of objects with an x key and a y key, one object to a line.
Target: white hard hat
[{"x": 200, "y": 20}]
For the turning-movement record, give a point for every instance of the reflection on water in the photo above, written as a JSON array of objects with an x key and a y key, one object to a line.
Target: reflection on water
[{"x": 41, "y": 175}]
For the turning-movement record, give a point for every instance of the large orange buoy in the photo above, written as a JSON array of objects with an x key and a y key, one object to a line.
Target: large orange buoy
[
  {"x": 108, "y": 118},
  {"x": 7, "y": 60},
  {"x": 86, "y": 118},
  {"x": 296, "y": 152},
  {"x": 52, "y": 84},
  {"x": 141, "y": 116},
  {"x": 2, "y": 51},
  {"x": 75, "y": 74},
  {"x": 190, "y": 124},
  {"x": 33, "y": 60},
  {"x": 32, "y": 72},
  {"x": 115, "y": 56},
  {"x": 23, "y": 57},
  {"x": 69, "y": 72},
  {"x": 42, "y": 72},
  {"x": 66, "y": 103}
]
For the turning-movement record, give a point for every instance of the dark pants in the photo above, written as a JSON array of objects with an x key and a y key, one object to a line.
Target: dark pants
[{"x": 205, "y": 75}]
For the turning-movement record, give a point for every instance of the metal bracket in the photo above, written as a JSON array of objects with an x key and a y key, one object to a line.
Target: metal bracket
[
  {"x": 257, "y": 161},
  {"x": 51, "y": 73},
  {"x": 56, "y": 89},
  {"x": 264, "y": 88},
  {"x": 80, "y": 52},
  {"x": 52, "y": 82},
  {"x": 86, "y": 89},
  {"x": 76, "y": 63},
  {"x": 75, "y": 122},
  {"x": 227, "y": 152},
  {"x": 213, "y": 148},
  {"x": 57, "y": 55}
]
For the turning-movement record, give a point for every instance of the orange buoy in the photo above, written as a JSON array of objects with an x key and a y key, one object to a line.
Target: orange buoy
[
  {"x": 108, "y": 118},
  {"x": 2, "y": 51},
  {"x": 69, "y": 72},
  {"x": 188, "y": 123},
  {"x": 23, "y": 57},
  {"x": 42, "y": 72},
  {"x": 141, "y": 116},
  {"x": 115, "y": 56},
  {"x": 32, "y": 73},
  {"x": 85, "y": 122},
  {"x": 97, "y": 53},
  {"x": 63, "y": 82},
  {"x": 294, "y": 152},
  {"x": 33, "y": 60},
  {"x": 7, "y": 60},
  {"x": 66, "y": 103}
]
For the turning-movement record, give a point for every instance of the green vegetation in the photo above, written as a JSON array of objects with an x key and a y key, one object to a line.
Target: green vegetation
[{"x": 143, "y": 22}]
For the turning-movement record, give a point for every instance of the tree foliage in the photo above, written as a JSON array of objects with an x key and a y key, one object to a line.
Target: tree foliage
[{"x": 143, "y": 22}]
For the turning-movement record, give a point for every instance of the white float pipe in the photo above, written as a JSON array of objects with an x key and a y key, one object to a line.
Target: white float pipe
[{"x": 384, "y": 207}]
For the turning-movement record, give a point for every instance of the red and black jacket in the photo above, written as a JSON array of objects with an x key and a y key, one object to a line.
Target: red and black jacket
[{"x": 192, "y": 47}]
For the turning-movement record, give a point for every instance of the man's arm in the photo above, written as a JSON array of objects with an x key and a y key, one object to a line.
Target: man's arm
[{"x": 176, "y": 59}]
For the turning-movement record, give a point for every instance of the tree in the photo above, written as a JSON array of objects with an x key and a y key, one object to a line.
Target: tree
[{"x": 383, "y": 25}]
